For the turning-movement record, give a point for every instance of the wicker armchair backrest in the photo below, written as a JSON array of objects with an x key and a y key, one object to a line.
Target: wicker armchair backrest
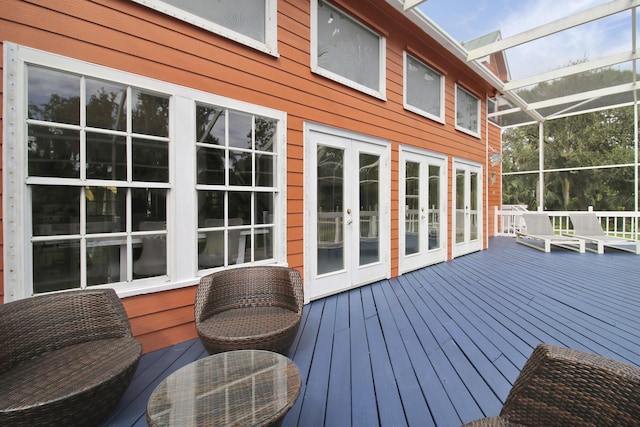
[
  {"x": 561, "y": 386},
  {"x": 248, "y": 287},
  {"x": 36, "y": 325}
]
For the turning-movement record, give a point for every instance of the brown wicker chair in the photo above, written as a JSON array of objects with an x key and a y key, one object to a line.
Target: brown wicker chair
[
  {"x": 249, "y": 308},
  {"x": 566, "y": 387},
  {"x": 65, "y": 359}
]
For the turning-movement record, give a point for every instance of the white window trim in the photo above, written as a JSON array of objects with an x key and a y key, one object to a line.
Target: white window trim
[
  {"x": 269, "y": 46},
  {"x": 475, "y": 133},
  {"x": 316, "y": 68},
  {"x": 182, "y": 253},
  {"x": 440, "y": 117}
]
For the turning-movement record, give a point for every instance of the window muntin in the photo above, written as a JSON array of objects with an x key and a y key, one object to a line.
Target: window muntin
[
  {"x": 251, "y": 22},
  {"x": 423, "y": 89},
  {"x": 235, "y": 207},
  {"x": 90, "y": 160},
  {"x": 346, "y": 51},
  {"x": 467, "y": 112}
]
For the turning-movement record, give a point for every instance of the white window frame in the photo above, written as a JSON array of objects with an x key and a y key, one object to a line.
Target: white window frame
[
  {"x": 415, "y": 109},
  {"x": 316, "y": 68},
  {"x": 182, "y": 254},
  {"x": 269, "y": 46},
  {"x": 472, "y": 132}
]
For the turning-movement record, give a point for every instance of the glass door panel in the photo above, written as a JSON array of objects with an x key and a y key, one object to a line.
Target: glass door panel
[
  {"x": 330, "y": 209},
  {"x": 435, "y": 205},
  {"x": 369, "y": 205},
  {"x": 412, "y": 208}
]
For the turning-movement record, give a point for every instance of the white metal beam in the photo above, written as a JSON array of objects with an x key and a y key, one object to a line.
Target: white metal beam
[
  {"x": 571, "y": 21},
  {"x": 592, "y": 94}
]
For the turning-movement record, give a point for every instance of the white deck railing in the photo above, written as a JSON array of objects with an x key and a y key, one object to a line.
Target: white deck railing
[{"x": 620, "y": 224}]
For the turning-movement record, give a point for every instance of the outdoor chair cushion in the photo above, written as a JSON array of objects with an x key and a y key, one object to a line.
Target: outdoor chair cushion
[{"x": 66, "y": 358}]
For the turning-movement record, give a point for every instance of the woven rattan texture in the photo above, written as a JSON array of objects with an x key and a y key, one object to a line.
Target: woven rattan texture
[
  {"x": 66, "y": 358},
  {"x": 239, "y": 388},
  {"x": 566, "y": 387},
  {"x": 249, "y": 308}
]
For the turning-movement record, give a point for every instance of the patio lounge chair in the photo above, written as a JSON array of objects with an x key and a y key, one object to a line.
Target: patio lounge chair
[
  {"x": 249, "y": 308},
  {"x": 566, "y": 387},
  {"x": 539, "y": 229},
  {"x": 66, "y": 358},
  {"x": 586, "y": 226}
]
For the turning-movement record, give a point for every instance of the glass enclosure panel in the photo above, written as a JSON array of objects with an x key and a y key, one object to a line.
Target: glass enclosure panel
[
  {"x": 211, "y": 168},
  {"x": 53, "y": 152},
  {"x": 55, "y": 211},
  {"x": 150, "y": 160},
  {"x": 149, "y": 114},
  {"x": 460, "y": 205},
  {"x": 347, "y": 48},
  {"x": 473, "y": 208},
  {"x": 369, "y": 166},
  {"x": 106, "y": 105},
  {"x": 53, "y": 96},
  {"x": 247, "y": 17},
  {"x": 106, "y": 157},
  {"x": 423, "y": 89},
  {"x": 330, "y": 207},
  {"x": 56, "y": 266},
  {"x": 412, "y": 208},
  {"x": 434, "y": 207},
  {"x": 240, "y": 168},
  {"x": 240, "y": 130}
]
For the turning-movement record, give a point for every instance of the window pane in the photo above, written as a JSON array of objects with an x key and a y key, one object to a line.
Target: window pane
[
  {"x": 106, "y": 209},
  {"x": 55, "y": 210},
  {"x": 265, "y": 134},
  {"x": 211, "y": 254},
  {"x": 210, "y": 166},
  {"x": 240, "y": 206},
  {"x": 148, "y": 204},
  {"x": 54, "y": 152},
  {"x": 347, "y": 48},
  {"x": 467, "y": 110},
  {"x": 56, "y": 266},
  {"x": 106, "y": 156},
  {"x": 246, "y": 17},
  {"x": 210, "y": 125},
  {"x": 240, "y": 130},
  {"x": 151, "y": 260},
  {"x": 240, "y": 168},
  {"x": 105, "y": 261},
  {"x": 210, "y": 208},
  {"x": 423, "y": 87},
  {"x": 150, "y": 160},
  {"x": 264, "y": 208},
  {"x": 263, "y": 244},
  {"x": 106, "y": 105},
  {"x": 265, "y": 170},
  {"x": 53, "y": 96},
  {"x": 150, "y": 114}
]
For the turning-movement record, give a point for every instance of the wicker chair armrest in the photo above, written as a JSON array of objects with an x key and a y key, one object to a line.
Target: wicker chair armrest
[
  {"x": 36, "y": 325},
  {"x": 562, "y": 386}
]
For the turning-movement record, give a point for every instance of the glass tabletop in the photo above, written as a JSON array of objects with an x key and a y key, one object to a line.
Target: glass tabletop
[{"x": 237, "y": 388}]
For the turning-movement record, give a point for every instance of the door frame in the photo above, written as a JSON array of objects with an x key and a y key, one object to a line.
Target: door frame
[
  {"x": 310, "y": 230},
  {"x": 468, "y": 246},
  {"x": 424, "y": 257}
]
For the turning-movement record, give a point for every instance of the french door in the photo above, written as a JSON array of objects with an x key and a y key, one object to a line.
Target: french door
[
  {"x": 422, "y": 209},
  {"x": 346, "y": 211},
  {"x": 467, "y": 206}
]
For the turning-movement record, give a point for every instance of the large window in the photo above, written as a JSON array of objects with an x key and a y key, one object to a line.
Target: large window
[
  {"x": 423, "y": 89},
  {"x": 101, "y": 200},
  {"x": 346, "y": 51},
  {"x": 251, "y": 22},
  {"x": 467, "y": 112}
]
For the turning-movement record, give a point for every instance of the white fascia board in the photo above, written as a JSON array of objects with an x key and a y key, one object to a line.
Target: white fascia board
[
  {"x": 408, "y": 4},
  {"x": 571, "y": 21}
]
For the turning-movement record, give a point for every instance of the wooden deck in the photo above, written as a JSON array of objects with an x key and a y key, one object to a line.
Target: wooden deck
[{"x": 441, "y": 345}]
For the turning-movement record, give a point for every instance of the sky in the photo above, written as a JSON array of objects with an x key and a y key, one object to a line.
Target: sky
[{"x": 590, "y": 41}]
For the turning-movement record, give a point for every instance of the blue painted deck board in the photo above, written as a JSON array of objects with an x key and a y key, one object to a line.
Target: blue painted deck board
[{"x": 441, "y": 345}]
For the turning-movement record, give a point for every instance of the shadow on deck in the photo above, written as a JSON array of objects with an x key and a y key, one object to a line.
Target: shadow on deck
[{"x": 441, "y": 345}]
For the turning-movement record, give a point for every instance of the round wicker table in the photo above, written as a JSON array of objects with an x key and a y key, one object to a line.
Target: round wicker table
[{"x": 236, "y": 388}]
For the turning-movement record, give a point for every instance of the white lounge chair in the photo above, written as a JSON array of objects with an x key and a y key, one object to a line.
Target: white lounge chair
[
  {"x": 539, "y": 229},
  {"x": 586, "y": 226}
]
